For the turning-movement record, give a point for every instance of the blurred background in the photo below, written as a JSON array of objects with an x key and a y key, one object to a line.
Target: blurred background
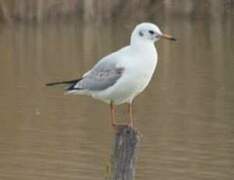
[{"x": 185, "y": 115}]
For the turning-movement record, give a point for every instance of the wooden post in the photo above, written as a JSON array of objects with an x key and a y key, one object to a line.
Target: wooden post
[{"x": 124, "y": 153}]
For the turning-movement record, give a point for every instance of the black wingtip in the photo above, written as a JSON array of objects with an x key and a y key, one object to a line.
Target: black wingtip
[
  {"x": 52, "y": 84},
  {"x": 49, "y": 84},
  {"x": 173, "y": 39},
  {"x": 64, "y": 82}
]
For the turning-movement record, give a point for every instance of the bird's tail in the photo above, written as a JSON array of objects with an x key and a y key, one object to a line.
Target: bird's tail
[{"x": 70, "y": 82}]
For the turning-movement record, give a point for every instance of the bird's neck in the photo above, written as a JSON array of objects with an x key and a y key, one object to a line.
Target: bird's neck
[{"x": 146, "y": 46}]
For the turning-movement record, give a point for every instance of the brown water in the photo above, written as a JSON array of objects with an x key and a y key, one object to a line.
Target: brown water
[{"x": 185, "y": 115}]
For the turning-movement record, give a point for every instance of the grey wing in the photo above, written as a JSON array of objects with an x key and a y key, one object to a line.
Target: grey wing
[{"x": 102, "y": 76}]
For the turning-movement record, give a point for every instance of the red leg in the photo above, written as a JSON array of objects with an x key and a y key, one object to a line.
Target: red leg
[
  {"x": 130, "y": 113},
  {"x": 113, "y": 122}
]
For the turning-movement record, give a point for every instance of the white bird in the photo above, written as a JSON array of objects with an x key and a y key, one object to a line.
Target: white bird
[{"x": 120, "y": 76}]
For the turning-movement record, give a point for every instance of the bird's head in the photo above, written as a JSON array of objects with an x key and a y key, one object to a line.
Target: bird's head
[{"x": 149, "y": 32}]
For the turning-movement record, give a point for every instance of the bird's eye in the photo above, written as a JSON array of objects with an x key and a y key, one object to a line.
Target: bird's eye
[{"x": 151, "y": 32}]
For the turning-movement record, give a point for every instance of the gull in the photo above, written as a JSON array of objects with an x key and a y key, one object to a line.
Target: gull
[{"x": 122, "y": 75}]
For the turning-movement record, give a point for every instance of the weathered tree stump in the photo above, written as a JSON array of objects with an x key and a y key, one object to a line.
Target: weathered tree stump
[{"x": 124, "y": 153}]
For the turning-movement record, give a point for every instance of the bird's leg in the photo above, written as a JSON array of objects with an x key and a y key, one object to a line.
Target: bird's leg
[
  {"x": 113, "y": 122},
  {"x": 130, "y": 113}
]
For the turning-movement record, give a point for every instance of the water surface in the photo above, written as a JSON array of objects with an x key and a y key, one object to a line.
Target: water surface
[{"x": 185, "y": 115}]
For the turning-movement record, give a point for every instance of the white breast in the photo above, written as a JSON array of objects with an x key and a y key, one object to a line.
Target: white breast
[
  {"x": 144, "y": 68},
  {"x": 138, "y": 73}
]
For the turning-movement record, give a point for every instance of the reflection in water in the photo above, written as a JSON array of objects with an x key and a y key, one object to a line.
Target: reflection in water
[{"x": 185, "y": 115}]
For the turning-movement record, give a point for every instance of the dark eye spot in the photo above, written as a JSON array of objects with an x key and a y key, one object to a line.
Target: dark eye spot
[
  {"x": 151, "y": 32},
  {"x": 141, "y": 33}
]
